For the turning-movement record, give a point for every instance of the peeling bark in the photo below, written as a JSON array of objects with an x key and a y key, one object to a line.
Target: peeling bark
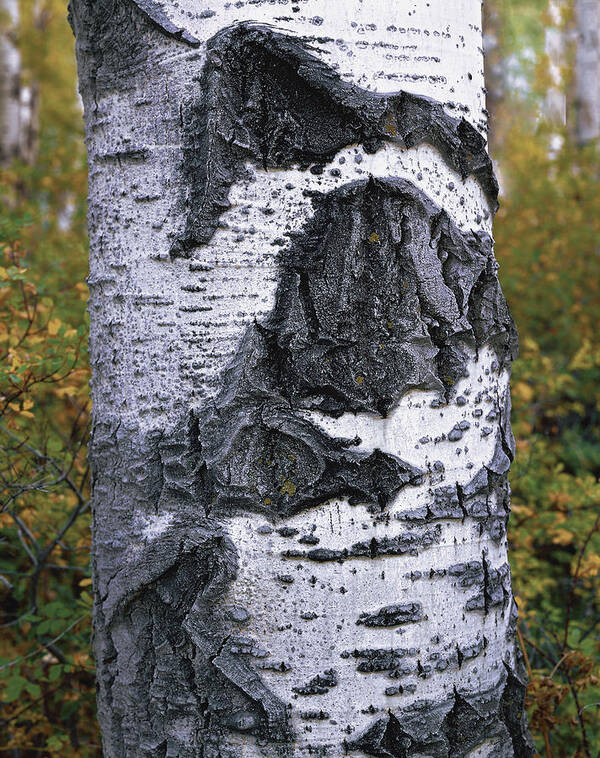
[{"x": 300, "y": 494}]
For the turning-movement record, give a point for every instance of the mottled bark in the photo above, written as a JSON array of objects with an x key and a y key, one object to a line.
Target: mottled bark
[
  {"x": 300, "y": 356},
  {"x": 587, "y": 71}
]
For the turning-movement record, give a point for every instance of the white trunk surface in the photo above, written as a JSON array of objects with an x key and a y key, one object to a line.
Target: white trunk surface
[
  {"x": 10, "y": 91},
  {"x": 587, "y": 70},
  {"x": 316, "y": 617},
  {"x": 17, "y": 106},
  {"x": 556, "y": 101}
]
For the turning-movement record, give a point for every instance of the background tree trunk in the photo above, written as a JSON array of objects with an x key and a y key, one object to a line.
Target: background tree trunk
[
  {"x": 18, "y": 128},
  {"x": 10, "y": 90},
  {"x": 300, "y": 360},
  {"x": 494, "y": 67},
  {"x": 587, "y": 71},
  {"x": 555, "y": 44}
]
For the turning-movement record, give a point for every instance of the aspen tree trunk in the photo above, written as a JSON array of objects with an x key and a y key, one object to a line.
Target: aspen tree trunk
[
  {"x": 300, "y": 357},
  {"x": 10, "y": 71},
  {"x": 494, "y": 66},
  {"x": 18, "y": 111},
  {"x": 555, "y": 48},
  {"x": 587, "y": 71}
]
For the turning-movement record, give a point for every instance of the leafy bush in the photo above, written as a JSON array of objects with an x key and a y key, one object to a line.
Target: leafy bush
[
  {"x": 548, "y": 243},
  {"x": 46, "y": 671}
]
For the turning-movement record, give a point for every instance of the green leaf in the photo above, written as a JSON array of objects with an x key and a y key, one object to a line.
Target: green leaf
[
  {"x": 14, "y": 688},
  {"x": 33, "y": 689},
  {"x": 55, "y": 672}
]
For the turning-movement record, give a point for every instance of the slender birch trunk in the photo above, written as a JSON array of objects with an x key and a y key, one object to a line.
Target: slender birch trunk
[
  {"x": 18, "y": 107},
  {"x": 587, "y": 71},
  {"x": 493, "y": 68},
  {"x": 10, "y": 91},
  {"x": 300, "y": 359},
  {"x": 555, "y": 48}
]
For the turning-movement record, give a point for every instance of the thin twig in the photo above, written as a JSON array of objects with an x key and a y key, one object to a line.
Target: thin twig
[{"x": 43, "y": 647}]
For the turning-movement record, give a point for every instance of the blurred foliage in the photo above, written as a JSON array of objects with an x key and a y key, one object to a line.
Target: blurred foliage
[
  {"x": 548, "y": 243},
  {"x": 547, "y": 236},
  {"x": 46, "y": 672}
]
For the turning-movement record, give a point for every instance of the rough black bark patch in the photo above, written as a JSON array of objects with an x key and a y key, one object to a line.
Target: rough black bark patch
[
  {"x": 374, "y": 299},
  {"x": 374, "y": 660},
  {"x": 454, "y": 727},
  {"x": 318, "y": 685},
  {"x": 265, "y": 96},
  {"x": 157, "y": 16},
  {"x": 393, "y": 615},
  {"x": 384, "y": 738},
  {"x": 402, "y": 544},
  {"x": 116, "y": 37}
]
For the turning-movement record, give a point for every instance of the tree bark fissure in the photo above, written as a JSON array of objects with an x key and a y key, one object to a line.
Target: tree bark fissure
[{"x": 300, "y": 364}]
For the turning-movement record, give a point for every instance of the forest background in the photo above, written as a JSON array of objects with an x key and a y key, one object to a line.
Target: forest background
[{"x": 548, "y": 244}]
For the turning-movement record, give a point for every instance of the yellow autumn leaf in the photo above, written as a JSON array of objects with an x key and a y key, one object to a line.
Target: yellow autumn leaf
[
  {"x": 561, "y": 537},
  {"x": 63, "y": 392},
  {"x": 524, "y": 391},
  {"x": 590, "y": 566},
  {"x": 586, "y": 357},
  {"x": 54, "y": 325},
  {"x": 529, "y": 344}
]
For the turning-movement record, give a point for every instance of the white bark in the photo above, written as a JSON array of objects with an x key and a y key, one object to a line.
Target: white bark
[
  {"x": 17, "y": 107},
  {"x": 164, "y": 330},
  {"x": 494, "y": 66},
  {"x": 10, "y": 69},
  {"x": 587, "y": 71},
  {"x": 556, "y": 101}
]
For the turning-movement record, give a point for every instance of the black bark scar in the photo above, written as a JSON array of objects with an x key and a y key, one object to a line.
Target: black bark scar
[
  {"x": 454, "y": 726},
  {"x": 159, "y": 18},
  {"x": 265, "y": 96},
  {"x": 379, "y": 294}
]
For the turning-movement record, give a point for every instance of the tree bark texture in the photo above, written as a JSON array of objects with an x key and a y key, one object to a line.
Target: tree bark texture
[
  {"x": 300, "y": 357},
  {"x": 587, "y": 71}
]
